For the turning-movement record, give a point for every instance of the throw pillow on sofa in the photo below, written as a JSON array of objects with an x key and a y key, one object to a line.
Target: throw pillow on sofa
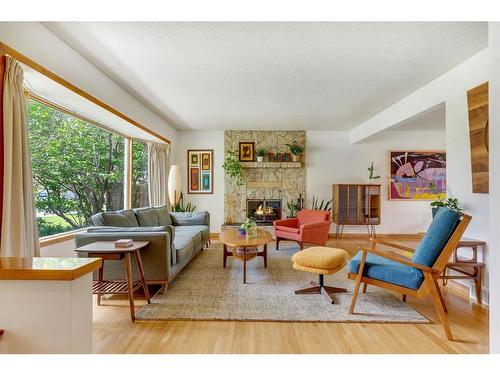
[
  {"x": 146, "y": 217},
  {"x": 125, "y": 218}
]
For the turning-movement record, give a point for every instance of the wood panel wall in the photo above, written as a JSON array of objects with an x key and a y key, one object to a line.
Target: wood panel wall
[{"x": 477, "y": 100}]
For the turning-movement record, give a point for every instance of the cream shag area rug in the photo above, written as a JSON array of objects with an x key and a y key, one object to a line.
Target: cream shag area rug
[{"x": 204, "y": 290}]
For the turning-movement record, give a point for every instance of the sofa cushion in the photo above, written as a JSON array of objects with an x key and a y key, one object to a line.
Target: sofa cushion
[
  {"x": 124, "y": 218},
  {"x": 204, "y": 230},
  {"x": 183, "y": 245},
  {"x": 436, "y": 237},
  {"x": 147, "y": 217},
  {"x": 97, "y": 219},
  {"x": 163, "y": 215},
  {"x": 191, "y": 232},
  {"x": 189, "y": 218},
  {"x": 383, "y": 269}
]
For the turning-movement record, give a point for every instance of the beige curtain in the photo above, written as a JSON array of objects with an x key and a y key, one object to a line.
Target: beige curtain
[
  {"x": 158, "y": 166},
  {"x": 19, "y": 237}
]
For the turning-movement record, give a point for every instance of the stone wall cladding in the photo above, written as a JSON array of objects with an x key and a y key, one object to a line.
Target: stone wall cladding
[{"x": 291, "y": 175}]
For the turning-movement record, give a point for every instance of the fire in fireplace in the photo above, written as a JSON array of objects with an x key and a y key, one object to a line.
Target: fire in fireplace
[{"x": 264, "y": 211}]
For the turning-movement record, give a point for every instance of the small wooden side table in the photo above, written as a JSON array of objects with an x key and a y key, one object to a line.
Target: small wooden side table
[
  {"x": 106, "y": 250},
  {"x": 467, "y": 268}
]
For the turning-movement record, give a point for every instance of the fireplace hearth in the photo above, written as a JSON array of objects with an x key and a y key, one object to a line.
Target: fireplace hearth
[{"x": 264, "y": 211}]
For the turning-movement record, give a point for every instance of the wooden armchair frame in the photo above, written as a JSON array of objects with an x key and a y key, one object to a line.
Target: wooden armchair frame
[{"x": 431, "y": 274}]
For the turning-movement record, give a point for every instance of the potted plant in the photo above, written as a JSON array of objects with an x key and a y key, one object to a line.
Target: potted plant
[
  {"x": 296, "y": 149},
  {"x": 372, "y": 177},
  {"x": 293, "y": 207},
  {"x": 249, "y": 227},
  {"x": 261, "y": 152},
  {"x": 233, "y": 167},
  {"x": 452, "y": 203}
]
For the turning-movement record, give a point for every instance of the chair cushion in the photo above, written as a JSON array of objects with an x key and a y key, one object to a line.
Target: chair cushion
[
  {"x": 163, "y": 215},
  {"x": 438, "y": 234},
  {"x": 383, "y": 269},
  {"x": 147, "y": 217},
  {"x": 287, "y": 229},
  {"x": 125, "y": 218},
  {"x": 320, "y": 259}
]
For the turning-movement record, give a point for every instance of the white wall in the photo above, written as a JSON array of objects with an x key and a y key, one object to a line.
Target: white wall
[
  {"x": 39, "y": 44},
  {"x": 64, "y": 249},
  {"x": 494, "y": 258},
  {"x": 213, "y": 203},
  {"x": 331, "y": 158}
]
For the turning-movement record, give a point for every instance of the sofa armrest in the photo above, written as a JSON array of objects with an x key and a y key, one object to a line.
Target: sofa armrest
[
  {"x": 190, "y": 218},
  {"x": 292, "y": 223}
]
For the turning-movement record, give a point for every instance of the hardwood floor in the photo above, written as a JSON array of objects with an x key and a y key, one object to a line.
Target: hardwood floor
[{"x": 115, "y": 333}]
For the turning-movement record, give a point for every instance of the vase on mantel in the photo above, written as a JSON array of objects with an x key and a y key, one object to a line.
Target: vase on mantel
[
  {"x": 296, "y": 158},
  {"x": 260, "y": 159}
]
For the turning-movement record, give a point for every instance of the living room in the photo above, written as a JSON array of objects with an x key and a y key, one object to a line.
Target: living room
[{"x": 249, "y": 187}]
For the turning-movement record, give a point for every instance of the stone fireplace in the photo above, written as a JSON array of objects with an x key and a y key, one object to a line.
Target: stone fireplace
[
  {"x": 271, "y": 183},
  {"x": 264, "y": 211}
]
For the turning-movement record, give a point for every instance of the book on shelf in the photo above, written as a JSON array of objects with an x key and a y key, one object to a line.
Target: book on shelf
[{"x": 126, "y": 242}]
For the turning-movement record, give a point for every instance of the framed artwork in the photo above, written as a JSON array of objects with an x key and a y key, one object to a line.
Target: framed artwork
[
  {"x": 247, "y": 151},
  {"x": 200, "y": 171},
  {"x": 417, "y": 175}
]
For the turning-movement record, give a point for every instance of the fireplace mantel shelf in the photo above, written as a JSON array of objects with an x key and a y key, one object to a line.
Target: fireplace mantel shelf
[{"x": 270, "y": 164}]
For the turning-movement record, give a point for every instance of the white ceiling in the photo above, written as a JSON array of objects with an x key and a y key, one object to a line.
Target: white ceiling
[{"x": 272, "y": 75}]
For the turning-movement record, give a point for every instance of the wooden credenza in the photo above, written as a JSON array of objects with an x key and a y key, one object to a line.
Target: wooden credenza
[{"x": 356, "y": 204}]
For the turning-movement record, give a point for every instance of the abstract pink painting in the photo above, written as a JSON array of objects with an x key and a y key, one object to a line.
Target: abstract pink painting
[{"x": 417, "y": 175}]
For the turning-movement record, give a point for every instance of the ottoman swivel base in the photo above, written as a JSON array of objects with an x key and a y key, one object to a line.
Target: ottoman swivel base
[{"x": 321, "y": 288}]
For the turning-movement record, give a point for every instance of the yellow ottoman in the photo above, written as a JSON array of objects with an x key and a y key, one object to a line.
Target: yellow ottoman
[{"x": 323, "y": 261}]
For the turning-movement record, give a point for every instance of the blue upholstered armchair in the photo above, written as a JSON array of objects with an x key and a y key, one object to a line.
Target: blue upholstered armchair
[{"x": 416, "y": 276}]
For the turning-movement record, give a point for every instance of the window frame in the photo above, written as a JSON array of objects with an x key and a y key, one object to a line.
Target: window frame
[{"x": 127, "y": 176}]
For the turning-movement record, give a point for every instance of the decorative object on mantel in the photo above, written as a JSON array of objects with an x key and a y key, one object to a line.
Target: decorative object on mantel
[
  {"x": 411, "y": 172},
  {"x": 477, "y": 100},
  {"x": 372, "y": 177},
  {"x": 296, "y": 149},
  {"x": 247, "y": 151},
  {"x": 356, "y": 204},
  {"x": 279, "y": 156},
  {"x": 200, "y": 171},
  {"x": 261, "y": 152},
  {"x": 287, "y": 157},
  {"x": 233, "y": 168},
  {"x": 271, "y": 156}
]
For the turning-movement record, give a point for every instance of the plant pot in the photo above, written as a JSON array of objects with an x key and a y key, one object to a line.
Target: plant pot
[
  {"x": 296, "y": 158},
  {"x": 434, "y": 211},
  {"x": 260, "y": 159}
]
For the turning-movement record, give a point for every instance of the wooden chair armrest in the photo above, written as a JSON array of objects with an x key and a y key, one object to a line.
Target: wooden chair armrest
[
  {"x": 396, "y": 257},
  {"x": 392, "y": 244}
]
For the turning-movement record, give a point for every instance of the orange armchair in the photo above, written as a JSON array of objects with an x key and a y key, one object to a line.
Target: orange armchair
[{"x": 310, "y": 226}]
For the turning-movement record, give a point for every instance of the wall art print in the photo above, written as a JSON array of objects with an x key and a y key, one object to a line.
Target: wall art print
[
  {"x": 412, "y": 174},
  {"x": 200, "y": 171}
]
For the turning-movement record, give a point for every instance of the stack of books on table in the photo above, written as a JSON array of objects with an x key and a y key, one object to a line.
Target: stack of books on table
[{"x": 124, "y": 242}]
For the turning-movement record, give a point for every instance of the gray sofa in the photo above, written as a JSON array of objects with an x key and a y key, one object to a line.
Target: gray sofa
[{"x": 175, "y": 238}]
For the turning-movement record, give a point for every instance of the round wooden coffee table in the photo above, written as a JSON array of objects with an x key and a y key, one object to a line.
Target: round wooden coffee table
[{"x": 245, "y": 248}]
